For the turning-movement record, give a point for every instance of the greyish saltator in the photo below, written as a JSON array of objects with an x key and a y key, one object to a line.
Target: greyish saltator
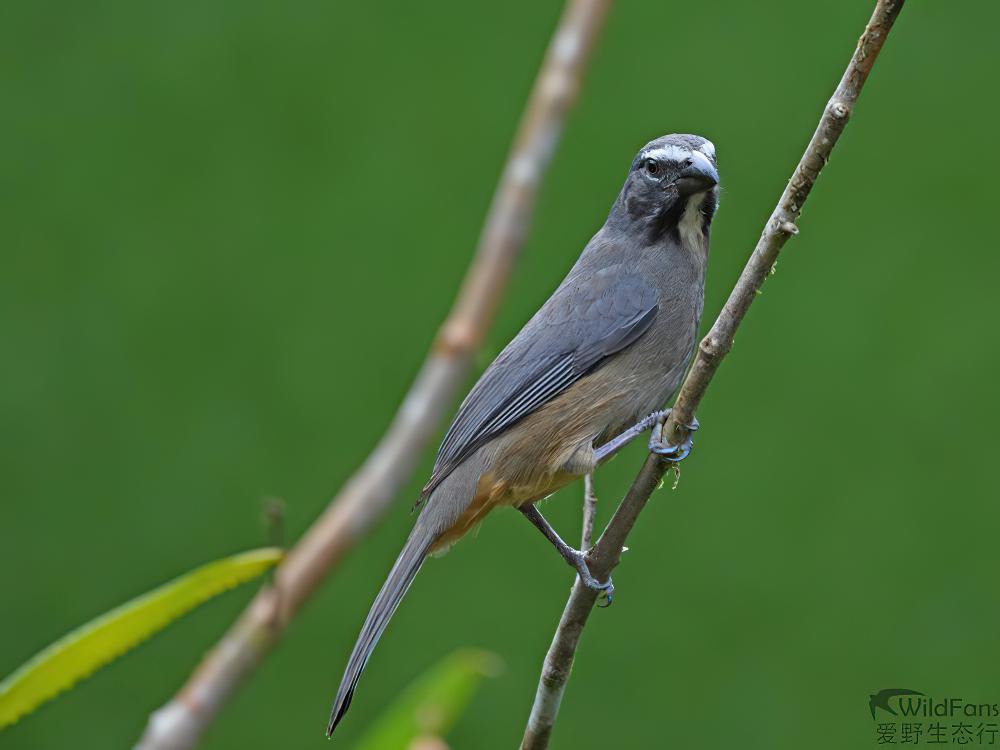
[{"x": 580, "y": 380}]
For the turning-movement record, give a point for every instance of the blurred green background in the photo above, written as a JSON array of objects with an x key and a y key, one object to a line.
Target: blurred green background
[{"x": 229, "y": 232}]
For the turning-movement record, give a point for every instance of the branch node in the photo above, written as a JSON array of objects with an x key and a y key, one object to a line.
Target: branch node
[
  {"x": 457, "y": 336},
  {"x": 839, "y": 109},
  {"x": 711, "y": 348}
]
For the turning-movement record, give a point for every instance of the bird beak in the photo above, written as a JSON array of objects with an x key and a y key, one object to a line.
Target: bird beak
[{"x": 700, "y": 175}]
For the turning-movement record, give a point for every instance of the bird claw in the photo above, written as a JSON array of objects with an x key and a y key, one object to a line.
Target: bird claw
[
  {"x": 668, "y": 451},
  {"x": 607, "y": 588}
]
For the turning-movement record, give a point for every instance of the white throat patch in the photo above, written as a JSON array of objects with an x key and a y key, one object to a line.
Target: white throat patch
[{"x": 692, "y": 223}]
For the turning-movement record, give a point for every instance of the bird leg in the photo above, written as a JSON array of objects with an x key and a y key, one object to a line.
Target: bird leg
[
  {"x": 666, "y": 451},
  {"x": 656, "y": 420},
  {"x": 575, "y": 557},
  {"x": 615, "y": 444}
]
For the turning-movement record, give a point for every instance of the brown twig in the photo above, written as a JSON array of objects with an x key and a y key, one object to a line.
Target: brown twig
[
  {"x": 589, "y": 511},
  {"x": 712, "y": 350},
  {"x": 368, "y": 494}
]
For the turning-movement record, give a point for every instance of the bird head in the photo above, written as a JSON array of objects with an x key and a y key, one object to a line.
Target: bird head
[{"x": 668, "y": 177}]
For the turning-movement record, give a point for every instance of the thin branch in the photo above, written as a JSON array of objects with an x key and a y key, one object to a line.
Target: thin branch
[
  {"x": 712, "y": 350},
  {"x": 369, "y": 492},
  {"x": 589, "y": 511}
]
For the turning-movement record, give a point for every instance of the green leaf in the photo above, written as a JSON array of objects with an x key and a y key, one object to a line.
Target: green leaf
[
  {"x": 103, "y": 639},
  {"x": 433, "y": 702}
]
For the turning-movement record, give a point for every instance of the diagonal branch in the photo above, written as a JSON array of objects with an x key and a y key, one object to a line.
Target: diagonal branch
[
  {"x": 369, "y": 492},
  {"x": 712, "y": 350}
]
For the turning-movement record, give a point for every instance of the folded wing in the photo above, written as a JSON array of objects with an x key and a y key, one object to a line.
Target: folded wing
[{"x": 580, "y": 327}]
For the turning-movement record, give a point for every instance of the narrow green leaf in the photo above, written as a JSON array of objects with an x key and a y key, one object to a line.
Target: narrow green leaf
[
  {"x": 103, "y": 639},
  {"x": 433, "y": 702}
]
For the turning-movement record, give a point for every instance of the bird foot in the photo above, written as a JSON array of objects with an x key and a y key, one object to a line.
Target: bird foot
[
  {"x": 578, "y": 559},
  {"x": 667, "y": 451}
]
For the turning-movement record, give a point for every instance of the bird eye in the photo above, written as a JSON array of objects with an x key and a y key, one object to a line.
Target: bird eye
[{"x": 652, "y": 167}]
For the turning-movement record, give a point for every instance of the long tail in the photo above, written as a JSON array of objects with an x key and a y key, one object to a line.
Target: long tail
[{"x": 400, "y": 577}]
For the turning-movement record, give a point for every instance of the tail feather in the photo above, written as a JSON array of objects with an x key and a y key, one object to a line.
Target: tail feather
[{"x": 400, "y": 577}]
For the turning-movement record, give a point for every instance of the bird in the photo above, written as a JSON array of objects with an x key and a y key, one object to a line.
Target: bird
[
  {"x": 881, "y": 699},
  {"x": 588, "y": 373}
]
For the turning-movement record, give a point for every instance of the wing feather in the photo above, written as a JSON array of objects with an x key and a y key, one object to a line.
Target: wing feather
[{"x": 575, "y": 331}]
